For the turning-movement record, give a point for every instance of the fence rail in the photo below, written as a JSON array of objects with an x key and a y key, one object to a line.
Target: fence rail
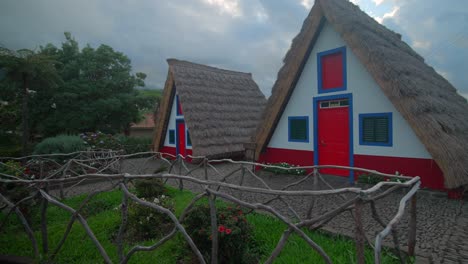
[{"x": 59, "y": 170}]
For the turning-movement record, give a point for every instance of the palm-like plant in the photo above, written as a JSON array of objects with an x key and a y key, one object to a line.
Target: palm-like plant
[{"x": 23, "y": 67}]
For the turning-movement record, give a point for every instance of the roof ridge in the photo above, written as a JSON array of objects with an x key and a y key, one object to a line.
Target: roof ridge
[{"x": 189, "y": 64}]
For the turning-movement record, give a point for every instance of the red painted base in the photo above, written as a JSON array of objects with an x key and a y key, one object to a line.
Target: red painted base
[
  {"x": 427, "y": 169},
  {"x": 293, "y": 157},
  {"x": 173, "y": 151},
  {"x": 429, "y": 172},
  {"x": 168, "y": 150}
]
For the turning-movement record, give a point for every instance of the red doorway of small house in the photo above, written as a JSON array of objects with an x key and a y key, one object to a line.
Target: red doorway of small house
[
  {"x": 333, "y": 139},
  {"x": 180, "y": 146}
]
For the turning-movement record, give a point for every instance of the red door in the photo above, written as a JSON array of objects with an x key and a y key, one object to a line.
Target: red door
[
  {"x": 181, "y": 137},
  {"x": 333, "y": 135}
]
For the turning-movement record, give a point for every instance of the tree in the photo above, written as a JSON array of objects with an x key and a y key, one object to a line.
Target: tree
[
  {"x": 22, "y": 67},
  {"x": 98, "y": 91}
]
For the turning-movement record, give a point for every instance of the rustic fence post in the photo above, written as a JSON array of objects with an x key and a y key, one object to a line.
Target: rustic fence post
[
  {"x": 205, "y": 167},
  {"x": 181, "y": 183},
  {"x": 360, "y": 239},
  {"x": 412, "y": 227},
  {"x": 214, "y": 230},
  {"x": 44, "y": 203},
  {"x": 242, "y": 175},
  {"x": 314, "y": 200},
  {"x": 123, "y": 226}
]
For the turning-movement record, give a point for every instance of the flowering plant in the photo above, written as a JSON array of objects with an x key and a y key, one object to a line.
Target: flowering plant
[
  {"x": 145, "y": 222},
  {"x": 99, "y": 140},
  {"x": 288, "y": 169},
  {"x": 234, "y": 232}
]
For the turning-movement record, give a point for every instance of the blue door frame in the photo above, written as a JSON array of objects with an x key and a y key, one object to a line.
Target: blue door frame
[{"x": 348, "y": 96}]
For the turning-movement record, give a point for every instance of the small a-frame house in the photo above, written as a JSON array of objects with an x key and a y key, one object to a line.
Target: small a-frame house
[
  {"x": 206, "y": 111},
  {"x": 352, "y": 93}
]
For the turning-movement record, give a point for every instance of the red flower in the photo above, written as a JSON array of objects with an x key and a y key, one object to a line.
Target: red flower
[
  {"x": 221, "y": 229},
  {"x": 240, "y": 212},
  {"x": 228, "y": 231},
  {"x": 235, "y": 219}
]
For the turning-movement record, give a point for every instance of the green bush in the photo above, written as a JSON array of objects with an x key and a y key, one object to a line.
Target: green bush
[
  {"x": 134, "y": 145},
  {"x": 10, "y": 145},
  {"x": 370, "y": 178},
  {"x": 149, "y": 188},
  {"x": 285, "y": 170},
  {"x": 146, "y": 223},
  {"x": 60, "y": 144},
  {"x": 234, "y": 233},
  {"x": 16, "y": 192},
  {"x": 99, "y": 140}
]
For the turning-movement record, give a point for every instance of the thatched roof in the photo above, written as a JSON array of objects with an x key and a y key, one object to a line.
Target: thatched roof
[
  {"x": 428, "y": 102},
  {"x": 221, "y": 108}
]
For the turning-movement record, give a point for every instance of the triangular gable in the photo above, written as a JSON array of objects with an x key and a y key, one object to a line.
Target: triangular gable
[{"x": 428, "y": 102}]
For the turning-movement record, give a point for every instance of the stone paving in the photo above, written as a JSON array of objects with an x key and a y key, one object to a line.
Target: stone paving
[{"x": 442, "y": 228}]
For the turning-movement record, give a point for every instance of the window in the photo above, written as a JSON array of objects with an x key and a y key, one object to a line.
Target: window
[
  {"x": 179, "y": 106},
  {"x": 331, "y": 67},
  {"x": 189, "y": 140},
  {"x": 298, "y": 129},
  {"x": 375, "y": 129},
  {"x": 334, "y": 103},
  {"x": 172, "y": 136}
]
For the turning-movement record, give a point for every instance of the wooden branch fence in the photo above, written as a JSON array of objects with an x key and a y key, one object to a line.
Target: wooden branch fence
[{"x": 65, "y": 171}]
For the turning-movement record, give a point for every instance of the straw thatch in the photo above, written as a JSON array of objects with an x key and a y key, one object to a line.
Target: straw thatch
[
  {"x": 221, "y": 108},
  {"x": 428, "y": 102}
]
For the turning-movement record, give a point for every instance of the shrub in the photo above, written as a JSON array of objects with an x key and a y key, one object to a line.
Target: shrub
[
  {"x": 370, "y": 178},
  {"x": 134, "y": 145},
  {"x": 146, "y": 223},
  {"x": 234, "y": 233},
  {"x": 60, "y": 144},
  {"x": 99, "y": 140},
  {"x": 16, "y": 192},
  {"x": 284, "y": 171},
  {"x": 10, "y": 145},
  {"x": 149, "y": 188}
]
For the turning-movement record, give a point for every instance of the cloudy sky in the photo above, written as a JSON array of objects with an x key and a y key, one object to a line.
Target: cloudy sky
[{"x": 245, "y": 35}]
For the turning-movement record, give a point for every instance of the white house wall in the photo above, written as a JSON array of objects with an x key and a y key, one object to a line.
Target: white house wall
[
  {"x": 367, "y": 98},
  {"x": 172, "y": 124}
]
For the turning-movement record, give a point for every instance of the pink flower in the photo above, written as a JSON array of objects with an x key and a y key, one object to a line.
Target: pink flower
[
  {"x": 221, "y": 229},
  {"x": 228, "y": 231}
]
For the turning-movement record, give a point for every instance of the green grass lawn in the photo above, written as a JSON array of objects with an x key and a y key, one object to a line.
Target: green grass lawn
[{"x": 104, "y": 220}]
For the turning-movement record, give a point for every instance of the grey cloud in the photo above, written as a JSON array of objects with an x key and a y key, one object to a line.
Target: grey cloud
[
  {"x": 149, "y": 31},
  {"x": 442, "y": 29}
]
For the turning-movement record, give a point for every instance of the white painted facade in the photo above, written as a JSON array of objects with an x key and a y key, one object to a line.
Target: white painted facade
[
  {"x": 367, "y": 98},
  {"x": 172, "y": 124}
]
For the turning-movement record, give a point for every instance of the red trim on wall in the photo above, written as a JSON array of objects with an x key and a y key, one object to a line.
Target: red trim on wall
[
  {"x": 427, "y": 169},
  {"x": 291, "y": 156},
  {"x": 172, "y": 151},
  {"x": 169, "y": 150}
]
